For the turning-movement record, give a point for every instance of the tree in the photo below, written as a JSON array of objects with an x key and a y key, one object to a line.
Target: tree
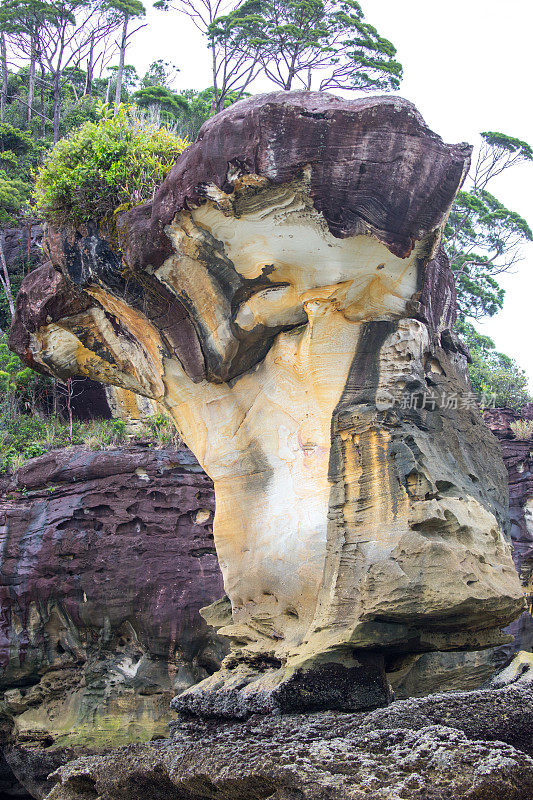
[
  {"x": 61, "y": 32},
  {"x": 160, "y": 98},
  {"x": 3, "y": 76},
  {"x": 494, "y": 374},
  {"x": 18, "y": 157},
  {"x": 130, "y": 79},
  {"x": 128, "y": 10},
  {"x": 159, "y": 73},
  {"x": 234, "y": 63},
  {"x": 325, "y": 43},
  {"x": 483, "y": 238}
]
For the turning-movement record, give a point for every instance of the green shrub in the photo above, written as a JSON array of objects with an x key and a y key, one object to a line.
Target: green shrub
[
  {"x": 105, "y": 166},
  {"x": 33, "y": 450},
  {"x": 163, "y": 431},
  {"x": 493, "y": 374}
]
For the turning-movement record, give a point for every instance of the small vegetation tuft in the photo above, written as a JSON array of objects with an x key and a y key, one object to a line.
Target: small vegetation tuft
[
  {"x": 522, "y": 428},
  {"x": 161, "y": 431}
]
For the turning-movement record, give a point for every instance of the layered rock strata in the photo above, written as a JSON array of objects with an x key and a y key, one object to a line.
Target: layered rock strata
[
  {"x": 517, "y": 454},
  {"x": 286, "y": 300},
  {"x": 106, "y": 559}
]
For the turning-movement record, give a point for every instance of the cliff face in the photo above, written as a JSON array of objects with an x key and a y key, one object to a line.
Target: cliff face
[
  {"x": 107, "y": 558},
  {"x": 518, "y": 457},
  {"x": 286, "y": 300}
]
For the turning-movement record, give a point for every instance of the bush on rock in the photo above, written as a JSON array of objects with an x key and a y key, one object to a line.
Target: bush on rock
[{"x": 105, "y": 166}]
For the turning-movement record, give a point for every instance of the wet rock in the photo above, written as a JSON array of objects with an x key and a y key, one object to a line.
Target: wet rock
[{"x": 463, "y": 746}]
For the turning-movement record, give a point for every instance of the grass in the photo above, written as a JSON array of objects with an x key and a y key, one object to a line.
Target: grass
[
  {"x": 23, "y": 436},
  {"x": 522, "y": 428}
]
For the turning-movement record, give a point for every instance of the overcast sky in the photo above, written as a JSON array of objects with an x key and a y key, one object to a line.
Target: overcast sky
[{"x": 467, "y": 66}]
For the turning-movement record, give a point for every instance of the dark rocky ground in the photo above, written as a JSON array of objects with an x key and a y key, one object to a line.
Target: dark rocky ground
[{"x": 474, "y": 745}]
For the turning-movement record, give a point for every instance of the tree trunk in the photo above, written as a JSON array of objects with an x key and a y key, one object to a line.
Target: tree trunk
[
  {"x": 5, "y": 280},
  {"x": 70, "y": 392},
  {"x": 43, "y": 116},
  {"x": 3, "y": 68},
  {"x": 90, "y": 68},
  {"x": 217, "y": 100},
  {"x": 31, "y": 80},
  {"x": 122, "y": 56},
  {"x": 57, "y": 106}
]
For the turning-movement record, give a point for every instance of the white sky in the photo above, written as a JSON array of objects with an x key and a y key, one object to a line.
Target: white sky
[{"x": 467, "y": 67}]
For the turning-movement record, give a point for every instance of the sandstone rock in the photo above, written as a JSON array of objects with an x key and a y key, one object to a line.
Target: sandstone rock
[
  {"x": 286, "y": 300},
  {"x": 469, "y": 745},
  {"x": 106, "y": 559}
]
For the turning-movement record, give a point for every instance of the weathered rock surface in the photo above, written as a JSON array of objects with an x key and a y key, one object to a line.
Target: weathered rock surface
[
  {"x": 518, "y": 457},
  {"x": 22, "y": 246},
  {"x": 107, "y": 558},
  {"x": 286, "y": 300},
  {"x": 471, "y": 745}
]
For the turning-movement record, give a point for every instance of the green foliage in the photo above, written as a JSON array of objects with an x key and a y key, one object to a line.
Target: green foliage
[
  {"x": 200, "y": 107},
  {"x": 161, "y": 97},
  {"x": 493, "y": 373},
  {"x": 162, "y": 430},
  {"x": 13, "y": 198},
  {"x": 27, "y": 436},
  {"x": 522, "y": 428},
  {"x": 18, "y": 384},
  {"x": 327, "y": 41},
  {"x": 114, "y": 163},
  {"x": 483, "y": 238},
  {"x": 18, "y": 157},
  {"x": 130, "y": 8},
  {"x": 508, "y": 143},
  {"x": 159, "y": 73}
]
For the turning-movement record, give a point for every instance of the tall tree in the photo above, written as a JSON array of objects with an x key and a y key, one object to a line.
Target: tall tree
[
  {"x": 323, "y": 44},
  {"x": 3, "y": 70},
  {"x": 483, "y": 238},
  {"x": 62, "y": 32},
  {"x": 128, "y": 10},
  {"x": 234, "y": 64}
]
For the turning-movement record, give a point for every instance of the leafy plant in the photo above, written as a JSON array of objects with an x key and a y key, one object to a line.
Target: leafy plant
[
  {"x": 522, "y": 428},
  {"x": 113, "y": 164},
  {"x": 163, "y": 430},
  {"x": 482, "y": 237},
  {"x": 494, "y": 374}
]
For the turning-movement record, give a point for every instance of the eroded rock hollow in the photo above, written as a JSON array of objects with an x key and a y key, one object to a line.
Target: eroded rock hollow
[{"x": 286, "y": 299}]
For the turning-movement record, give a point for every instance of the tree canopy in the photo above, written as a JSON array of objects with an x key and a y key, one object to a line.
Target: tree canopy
[
  {"x": 483, "y": 237},
  {"x": 322, "y": 44}
]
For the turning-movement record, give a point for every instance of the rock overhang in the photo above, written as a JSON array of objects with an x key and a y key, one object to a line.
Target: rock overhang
[{"x": 286, "y": 277}]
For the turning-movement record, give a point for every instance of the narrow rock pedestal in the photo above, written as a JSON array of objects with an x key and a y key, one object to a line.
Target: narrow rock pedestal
[{"x": 286, "y": 299}]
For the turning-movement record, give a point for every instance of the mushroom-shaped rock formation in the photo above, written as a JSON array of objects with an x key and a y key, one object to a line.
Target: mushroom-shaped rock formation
[{"x": 285, "y": 298}]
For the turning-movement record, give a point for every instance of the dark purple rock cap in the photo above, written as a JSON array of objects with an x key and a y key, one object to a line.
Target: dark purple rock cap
[{"x": 375, "y": 167}]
